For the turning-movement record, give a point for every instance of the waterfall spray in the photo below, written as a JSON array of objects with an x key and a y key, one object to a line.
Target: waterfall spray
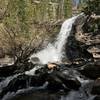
[{"x": 54, "y": 52}]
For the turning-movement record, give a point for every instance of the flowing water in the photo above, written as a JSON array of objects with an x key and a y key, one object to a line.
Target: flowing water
[{"x": 54, "y": 52}]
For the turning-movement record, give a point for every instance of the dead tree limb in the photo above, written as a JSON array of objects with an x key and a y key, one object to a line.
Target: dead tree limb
[{"x": 95, "y": 16}]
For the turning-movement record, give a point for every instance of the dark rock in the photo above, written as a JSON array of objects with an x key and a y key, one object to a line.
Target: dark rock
[
  {"x": 96, "y": 87},
  {"x": 23, "y": 82},
  {"x": 91, "y": 70},
  {"x": 58, "y": 80},
  {"x": 1, "y": 79},
  {"x": 8, "y": 70},
  {"x": 55, "y": 83},
  {"x": 97, "y": 98},
  {"x": 88, "y": 37},
  {"x": 38, "y": 80},
  {"x": 15, "y": 84},
  {"x": 22, "y": 67},
  {"x": 75, "y": 50},
  {"x": 38, "y": 95}
]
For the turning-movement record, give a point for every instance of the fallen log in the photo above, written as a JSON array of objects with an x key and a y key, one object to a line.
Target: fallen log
[{"x": 95, "y": 16}]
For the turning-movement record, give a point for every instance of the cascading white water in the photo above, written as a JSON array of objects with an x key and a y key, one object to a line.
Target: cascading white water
[{"x": 53, "y": 52}]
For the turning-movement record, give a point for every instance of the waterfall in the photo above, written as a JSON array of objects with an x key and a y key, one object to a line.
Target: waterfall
[{"x": 54, "y": 52}]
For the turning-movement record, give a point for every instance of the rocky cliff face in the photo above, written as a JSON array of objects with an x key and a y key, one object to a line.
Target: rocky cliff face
[{"x": 83, "y": 44}]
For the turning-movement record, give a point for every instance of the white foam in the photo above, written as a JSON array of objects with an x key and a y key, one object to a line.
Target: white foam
[{"x": 32, "y": 71}]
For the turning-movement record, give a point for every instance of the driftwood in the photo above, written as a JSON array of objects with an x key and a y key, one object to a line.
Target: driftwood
[{"x": 95, "y": 16}]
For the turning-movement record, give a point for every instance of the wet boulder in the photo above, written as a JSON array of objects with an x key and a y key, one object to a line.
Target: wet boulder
[
  {"x": 15, "y": 84},
  {"x": 96, "y": 87},
  {"x": 97, "y": 97},
  {"x": 22, "y": 81},
  {"x": 91, "y": 70},
  {"x": 8, "y": 70},
  {"x": 55, "y": 83},
  {"x": 58, "y": 80},
  {"x": 55, "y": 77},
  {"x": 37, "y": 80}
]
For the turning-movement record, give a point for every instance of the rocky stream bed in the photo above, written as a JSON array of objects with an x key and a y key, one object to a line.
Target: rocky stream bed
[
  {"x": 51, "y": 82},
  {"x": 76, "y": 79}
]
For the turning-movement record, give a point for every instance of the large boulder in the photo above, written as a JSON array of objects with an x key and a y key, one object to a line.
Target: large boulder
[
  {"x": 8, "y": 70},
  {"x": 97, "y": 97},
  {"x": 58, "y": 80},
  {"x": 21, "y": 81},
  {"x": 95, "y": 51},
  {"x": 91, "y": 70}
]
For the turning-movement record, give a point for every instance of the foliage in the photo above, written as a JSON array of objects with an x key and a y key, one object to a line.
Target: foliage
[{"x": 92, "y": 7}]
